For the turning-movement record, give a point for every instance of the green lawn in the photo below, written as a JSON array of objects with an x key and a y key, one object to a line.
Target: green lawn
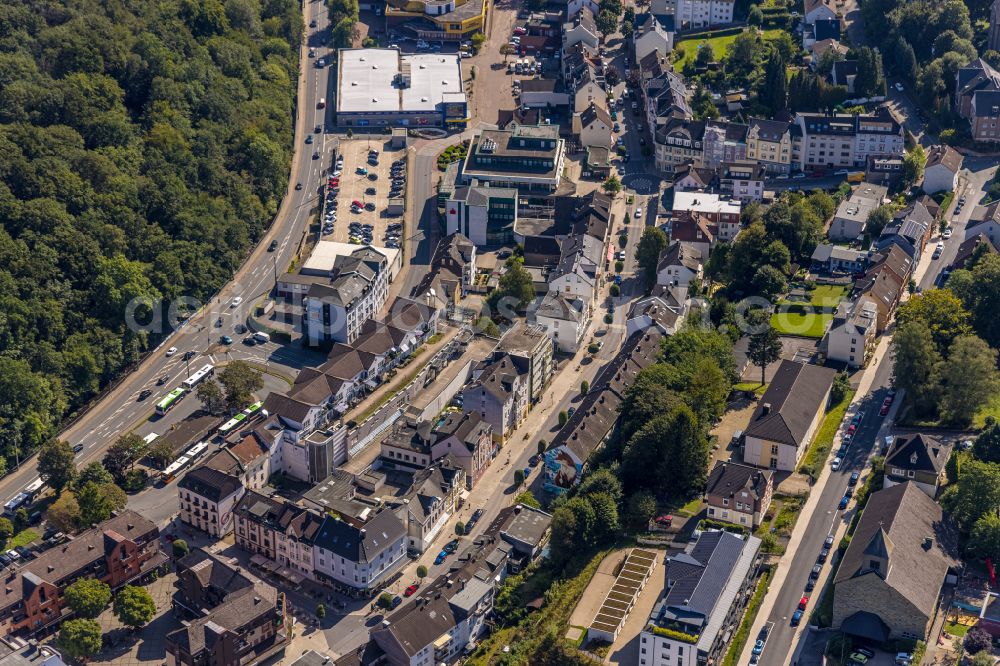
[
  {"x": 819, "y": 450},
  {"x": 956, "y": 629},
  {"x": 991, "y": 408},
  {"x": 827, "y": 295},
  {"x": 720, "y": 45},
  {"x": 756, "y": 387},
  {"x": 22, "y": 538},
  {"x": 804, "y": 324}
]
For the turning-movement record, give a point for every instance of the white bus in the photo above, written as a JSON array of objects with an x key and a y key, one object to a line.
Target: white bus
[
  {"x": 16, "y": 502},
  {"x": 196, "y": 450},
  {"x": 206, "y": 371},
  {"x": 34, "y": 488},
  {"x": 171, "y": 472}
]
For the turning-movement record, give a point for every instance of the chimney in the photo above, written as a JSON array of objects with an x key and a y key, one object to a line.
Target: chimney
[{"x": 765, "y": 409}]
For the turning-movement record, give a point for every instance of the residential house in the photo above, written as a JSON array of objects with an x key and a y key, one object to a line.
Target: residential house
[
  {"x": 206, "y": 498},
  {"x": 721, "y": 211},
  {"x": 689, "y": 178},
  {"x": 886, "y": 281},
  {"x": 888, "y": 583},
  {"x": 453, "y": 268},
  {"x": 823, "y": 46},
  {"x": 843, "y": 73},
  {"x": 723, "y": 142},
  {"x": 230, "y": 617},
  {"x": 280, "y": 532},
  {"x": 742, "y": 180},
  {"x": 587, "y": 88},
  {"x": 468, "y": 440},
  {"x": 971, "y": 248},
  {"x": 677, "y": 142},
  {"x": 692, "y": 14},
  {"x": 851, "y": 218},
  {"x": 665, "y": 309},
  {"x": 651, "y": 35},
  {"x": 593, "y": 127},
  {"x": 819, "y": 30},
  {"x": 530, "y": 348},
  {"x": 360, "y": 561},
  {"x": 573, "y": 7},
  {"x": 738, "y": 493},
  {"x": 595, "y": 416},
  {"x": 884, "y": 171},
  {"x": 694, "y": 230},
  {"x": 679, "y": 265},
  {"x": 918, "y": 458},
  {"x": 122, "y": 550},
  {"x": 985, "y": 221},
  {"x": 787, "y": 416},
  {"x": 665, "y": 94},
  {"x": 357, "y": 289},
  {"x": 829, "y": 258},
  {"x": 977, "y": 99},
  {"x": 769, "y": 142},
  {"x": 582, "y": 29},
  {"x": 499, "y": 393},
  {"x": 433, "y": 496},
  {"x": 565, "y": 318},
  {"x": 848, "y": 140},
  {"x": 941, "y": 170},
  {"x": 851, "y": 337},
  {"x": 707, "y": 589},
  {"x": 914, "y": 224},
  {"x": 816, "y": 10}
]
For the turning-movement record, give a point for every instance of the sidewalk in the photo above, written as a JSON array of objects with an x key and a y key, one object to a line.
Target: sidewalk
[{"x": 805, "y": 520}]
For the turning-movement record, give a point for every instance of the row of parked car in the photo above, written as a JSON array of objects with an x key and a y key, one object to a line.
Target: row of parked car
[{"x": 19, "y": 554}]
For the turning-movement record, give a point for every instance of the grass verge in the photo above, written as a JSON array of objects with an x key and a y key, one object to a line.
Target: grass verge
[
  {"x": 991, "y": 408},
  {"x": 802, "y": 324},
  {"x": 22, "y": 538},
  {"x": 756, "y": 387},
  {"x": 816, "y": 456},
  {"x": 741, "y": 635}
]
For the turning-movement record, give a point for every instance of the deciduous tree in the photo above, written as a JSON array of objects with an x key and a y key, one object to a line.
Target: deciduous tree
[
  {"x": 240, "y": 380},
  {"x": 80, "y": 639},
  {"x": 87, "y": 597},
  {"x": 134, "y": 607},
  {"x": 968, "y": 379},
  {"x": 211, "y": 396},
  {"x": 56, "y": 464},
  {"x": 651, "y": 245}
]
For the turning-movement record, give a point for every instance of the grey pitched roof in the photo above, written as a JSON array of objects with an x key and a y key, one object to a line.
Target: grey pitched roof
[
  {"x": 908, "y": 517},
  {"x": 555, "y": 306},
  {"x": 796, "y": 393},
  {"x": 680, "y": 254},
  {"x": 769, "y": 130},
  {"x": 286, "y": 407},
  {"x": 593, "y": 113},
  {"x": 946, "y": 156},
  {"x": 210, "y": 483},
  {"x": 360, "y": 544},
  {"x": 729, "y": 478}
]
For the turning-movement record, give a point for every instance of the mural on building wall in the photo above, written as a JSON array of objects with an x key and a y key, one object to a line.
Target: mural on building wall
[{"x": 562, "y": 470}]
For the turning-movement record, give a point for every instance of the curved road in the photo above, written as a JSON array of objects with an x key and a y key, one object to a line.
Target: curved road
[{"x": 118, "y": 411}]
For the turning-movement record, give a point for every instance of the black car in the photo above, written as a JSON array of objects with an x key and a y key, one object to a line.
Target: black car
[
  {"x": 451, "y": 546},
  {"x": 372, "y": 176},
  {"x": 4, "y": 560},
  {"x": 49, "y": 533},
  {"x": 370, "y": 190},
  {"x": 823, "y": 554},
  {"x": 144, "y": 393},
  {"x": 188, "y": 354},
  {"x": 24, "y": 552},
  {"x": 476, "y": 515},
  {"x": 273, "y": 246},
  {"x": 298, "y": 186},
  {"x": 853, "y": 481},
  {"x": 77, "y": 448},
  {"x": 369, "y": 206},
  {"x": 249, "y": 341}
]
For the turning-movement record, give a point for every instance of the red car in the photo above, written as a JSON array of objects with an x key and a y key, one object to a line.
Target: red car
[
  {"x": 851, "y": 428},
  {"x": 664, "y": 520},
  {"x": 357, "y": 204},
  {"x": 411, "y": 590},
  {"x": 803, "y": 602}
]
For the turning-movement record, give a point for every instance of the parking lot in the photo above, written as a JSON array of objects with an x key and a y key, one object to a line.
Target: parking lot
[{"x": 367, "y": 178}]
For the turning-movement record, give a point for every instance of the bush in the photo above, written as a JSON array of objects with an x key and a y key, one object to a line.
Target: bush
[
  {"x": 619, "y": 266},
  {"x": 460, "y": 528},
  {"x": 592, "y": 348},
  {"x": 135, "y": 481},
  {"x": 421, "y": 571},
  {"x": 615, "y": 291},
  {"x": 584, "y": 387},
  {"x": 180, "y": 548},
  {"x": 563, "y": 418},
  {"x": 977, "y": 640},
  {"x": 608, "y": 318},
  {"x": 384, "y": 600}
]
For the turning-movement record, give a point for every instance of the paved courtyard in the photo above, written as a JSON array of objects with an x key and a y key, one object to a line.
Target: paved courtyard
[{"x": 147, "y": 646}]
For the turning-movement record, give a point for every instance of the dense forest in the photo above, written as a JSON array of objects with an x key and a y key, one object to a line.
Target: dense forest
[{"x": 144, "y": 146}]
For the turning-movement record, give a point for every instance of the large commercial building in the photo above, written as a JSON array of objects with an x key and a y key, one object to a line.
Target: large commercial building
[
  {"x": 381, "y": 87},
  {"x": 437, "y": 19},
  {"x": 529, "y": 158}
]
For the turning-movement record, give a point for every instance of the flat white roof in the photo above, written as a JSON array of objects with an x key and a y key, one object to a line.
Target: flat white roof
[
  {"x": 705, "y": 203},
  {"x": 326, "y": 252},
  {"x": 367, "y": 81}
]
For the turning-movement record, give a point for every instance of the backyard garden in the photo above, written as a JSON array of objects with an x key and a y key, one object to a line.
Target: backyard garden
[{"x": 807, "y": 310}]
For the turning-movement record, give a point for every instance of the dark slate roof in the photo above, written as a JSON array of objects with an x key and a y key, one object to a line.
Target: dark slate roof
[
  {"x": 729, "y": 478},
  {"x": 210, "y": 483},
  {"x": 796, "y": 392},
  {"x": 826, "y": 29},
  {"x": 286, "y": 407},
  {"x": 360, "y": 544},
  {"x": 908, "y": 518},
  {"x": 680, "y": 254},
  {"x": 918, "y": 452}
]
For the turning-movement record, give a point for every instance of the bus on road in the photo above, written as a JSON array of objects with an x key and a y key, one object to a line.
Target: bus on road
[
  {"x": 206, "y": 371},
  {"x": 235, "y": 422},
  {"x": 171, "y": 472},
  {"x": 169, "y": 400}
]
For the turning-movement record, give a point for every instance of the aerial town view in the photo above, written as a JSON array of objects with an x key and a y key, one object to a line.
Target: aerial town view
[{"x": 500, "y": 333}]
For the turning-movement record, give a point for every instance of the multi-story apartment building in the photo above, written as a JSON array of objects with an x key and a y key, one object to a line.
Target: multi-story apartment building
[
  {"x": 703, "y": 13},
  {"x": 723, "y": 142},
  {"x": 486, "y": 215},
  {"x": 708, "y": 587},
  {"x": 977, "y": 99},
  {"x": 279, "y": 531},
  {"x": 843, "y": 140},
  {"x": 724, "y": 213},
  {"x": 465, "y": 437},
  {"x": 120, "y": 551},
  {"x": 743, "y": 180},
  {"x": 678, "y": 141},
  {"x": 206, "y": 498},
  {"x": 851, "y": 338},
  {"x": 357, "y": 290},
  {"x": 769, "y": 142},
  {"x": 360, "y": 560},
  {"x": 500, "y": 394},
  {"x": 433, "y": 497},
  {"x": 231, "y": 618},
  {"x": 531, "y": 351}
]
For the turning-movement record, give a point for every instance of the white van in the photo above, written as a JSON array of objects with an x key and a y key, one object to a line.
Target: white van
[{"x": 261, "y": 337}]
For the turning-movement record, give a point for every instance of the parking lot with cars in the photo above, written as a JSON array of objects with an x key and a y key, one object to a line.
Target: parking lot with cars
[{"x": 365, "y": 175}]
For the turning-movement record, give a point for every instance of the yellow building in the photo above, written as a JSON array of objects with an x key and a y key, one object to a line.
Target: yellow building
[
  {"x": 438, "y": 19},
  {"x": 769, "y": 142}
]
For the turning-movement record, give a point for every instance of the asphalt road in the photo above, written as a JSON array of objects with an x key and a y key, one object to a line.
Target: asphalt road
[
  {"x": 120, "y": 410},
  {"x": 825, "y": 520}
]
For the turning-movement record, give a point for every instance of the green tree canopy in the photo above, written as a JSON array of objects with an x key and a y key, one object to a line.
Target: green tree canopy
[
  {"x": 87, "y": 597},
  {"x": 647, "y": 253},
  {"x": 56, "y": 464},
  {"x": 240, "y": 380},
  {"x": 80, "y": 639},
  {"x": 134, "y": 607}
]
